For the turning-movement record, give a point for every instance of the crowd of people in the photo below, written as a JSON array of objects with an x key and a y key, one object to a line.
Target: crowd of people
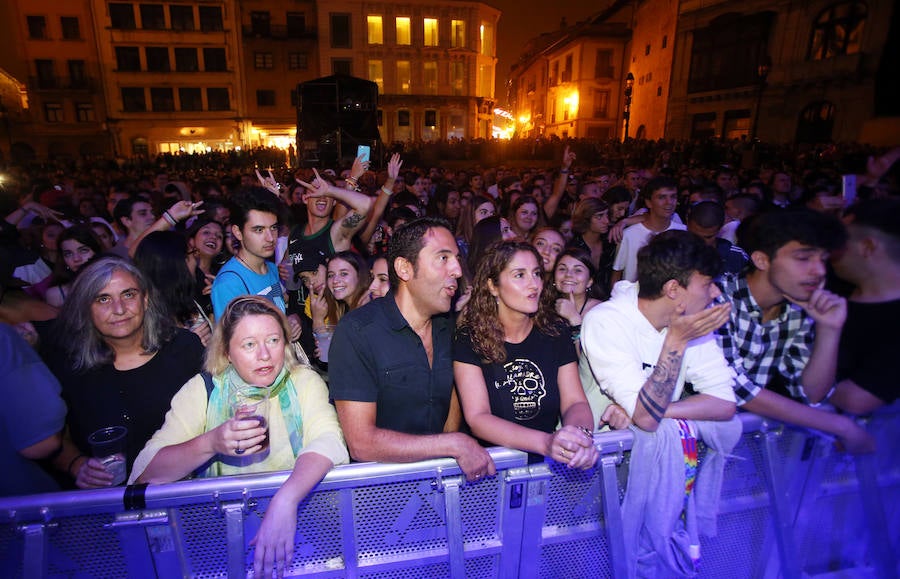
[{"x": 422, "y": 311}]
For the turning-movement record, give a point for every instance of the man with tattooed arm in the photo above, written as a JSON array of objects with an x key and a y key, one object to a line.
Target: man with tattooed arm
[{"x": 655, "y": 335}]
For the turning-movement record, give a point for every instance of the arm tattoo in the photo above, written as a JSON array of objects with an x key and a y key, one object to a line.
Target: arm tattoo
[
  {"x": 352, "y": 220},
  {"x": 652, "y": 408},
  {"x": 656, "y": 394}
]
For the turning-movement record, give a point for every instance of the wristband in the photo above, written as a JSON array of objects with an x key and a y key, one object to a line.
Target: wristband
[
  {"x": 71, "y": 464},
  {"x": 386, "y": 191},
  {"x": 168, "y": 217}
]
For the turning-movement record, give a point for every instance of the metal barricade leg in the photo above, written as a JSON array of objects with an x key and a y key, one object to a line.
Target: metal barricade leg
[
  {"x": 234, "y": 533},
  {"x": 612, "y": 514},
  {"x": 787, "y": 550},
  {"x": 35, "y": 551},
  {"x": 873, "y": 507},
  {"x": 450, "y": 487}
]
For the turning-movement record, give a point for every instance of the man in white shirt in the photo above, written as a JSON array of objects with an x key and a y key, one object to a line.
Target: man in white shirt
[
  {"x": 652, "y": 337},
  {"x": 661, "y": 197}
]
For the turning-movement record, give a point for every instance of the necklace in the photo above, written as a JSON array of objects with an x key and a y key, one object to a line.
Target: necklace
[
  {"x": 247, "y": 265},
  {"x": 581, "y": 309}
]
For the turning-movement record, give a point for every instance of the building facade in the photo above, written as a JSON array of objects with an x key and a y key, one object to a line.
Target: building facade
[
  {"x": 781, "y": 71},
  {"x": 51, "y": 100},
  {"x": 570, "y": 84},
  {"x": 433, "y": 61},
  {"x": 126, "y": 78}
]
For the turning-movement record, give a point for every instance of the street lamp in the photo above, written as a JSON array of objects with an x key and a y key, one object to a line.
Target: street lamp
[
  {"x": 626, "y": 113},
  {"x": 762, "y": 74}
]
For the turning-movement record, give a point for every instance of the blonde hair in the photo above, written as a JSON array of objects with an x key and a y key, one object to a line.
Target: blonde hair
[{"x": 239, "y": 308}]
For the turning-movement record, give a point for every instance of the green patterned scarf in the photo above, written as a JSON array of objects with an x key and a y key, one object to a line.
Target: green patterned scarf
[{"x": 218, "y": 409}]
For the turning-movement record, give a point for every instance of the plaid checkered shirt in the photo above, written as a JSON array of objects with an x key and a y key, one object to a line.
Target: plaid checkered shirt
[{"x": 762, "y": 351}]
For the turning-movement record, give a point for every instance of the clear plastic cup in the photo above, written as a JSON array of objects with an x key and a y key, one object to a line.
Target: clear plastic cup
[
  {"x": 252, "y": 404},
  {"x": 108, "y": 445},
  {"x": 323, "y": 335}
]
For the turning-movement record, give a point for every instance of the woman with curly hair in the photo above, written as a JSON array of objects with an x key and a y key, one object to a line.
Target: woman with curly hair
[{"x": 515, "y": 366}]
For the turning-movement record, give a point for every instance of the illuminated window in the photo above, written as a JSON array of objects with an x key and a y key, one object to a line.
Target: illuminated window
[
  {"x": 376, "y": 74},
  {"x": 458, "y": 33},
  {"x": 403, "y": 34},
  {"x": 376, "y": 32},
  {"x": 404, "y": 77},
  {"x": 431, "y": 31},
  {"x": 486, "y": 31},
  {"x": 485, "y": 80},
  {"x": 458, "y": 77},
  {"x": 430, "y": 77}
]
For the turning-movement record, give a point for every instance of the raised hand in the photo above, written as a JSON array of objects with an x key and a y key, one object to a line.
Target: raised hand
[
  {"x": 269, "y": 182},
  {"x": 825, "y": 308},
  {"x": 692, "y": 326},
  {"x": 568, "y": 157},
  {"x": 393, "y": 168},
  {"x": 359, "y": 167}
]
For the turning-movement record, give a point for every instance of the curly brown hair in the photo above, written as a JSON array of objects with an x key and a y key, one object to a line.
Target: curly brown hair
[{"x": 481, "y": 318}]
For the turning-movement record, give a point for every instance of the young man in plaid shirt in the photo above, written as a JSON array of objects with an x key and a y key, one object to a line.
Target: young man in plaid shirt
[{"x": 783, "y": 334}]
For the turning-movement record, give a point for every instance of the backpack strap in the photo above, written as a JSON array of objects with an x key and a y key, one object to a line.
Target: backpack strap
[{"x": 207, "y": 380}]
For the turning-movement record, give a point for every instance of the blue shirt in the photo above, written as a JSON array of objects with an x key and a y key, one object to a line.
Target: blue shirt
[
  {"x": 376, "y": 356},
  {"x": 235, "y": 279},
  {"x": 32, "y": 411}
]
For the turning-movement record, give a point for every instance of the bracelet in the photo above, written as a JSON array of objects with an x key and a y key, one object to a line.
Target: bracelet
[
  {"x": 168, "y": 217},
  {"x": 576, "y": 332},
  {"x": 563, "y": 171},
  {"x": 353, "y": 181},
  {"x": 387, "y": 191},
  {"x": 586, "y": 432},
  {"x": 71, "y": 464}
]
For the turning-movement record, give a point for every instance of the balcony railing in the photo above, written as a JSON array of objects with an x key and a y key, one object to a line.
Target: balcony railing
[
  {"x": 39, "y": 83},
  {"x": 278, "y": 32}
]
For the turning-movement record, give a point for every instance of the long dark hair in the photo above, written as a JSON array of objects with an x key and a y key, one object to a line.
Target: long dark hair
[
  {"x": 84, "y": 235},
  {"x": 481, "y": 318},
  {"x": 161, "y": 256}
]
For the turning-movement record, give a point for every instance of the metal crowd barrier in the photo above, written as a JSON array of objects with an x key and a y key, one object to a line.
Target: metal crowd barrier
[{"x": 791, "y": 506}]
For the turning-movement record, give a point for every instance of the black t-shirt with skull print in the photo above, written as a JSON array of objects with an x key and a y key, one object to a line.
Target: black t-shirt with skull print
[{"x": 523, "y": 389}]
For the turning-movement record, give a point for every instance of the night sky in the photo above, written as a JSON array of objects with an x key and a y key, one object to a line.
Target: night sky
[{"x": 522, "y": 20}]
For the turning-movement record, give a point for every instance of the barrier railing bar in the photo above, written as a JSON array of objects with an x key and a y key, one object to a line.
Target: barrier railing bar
[{"x": 136, "y": 550}]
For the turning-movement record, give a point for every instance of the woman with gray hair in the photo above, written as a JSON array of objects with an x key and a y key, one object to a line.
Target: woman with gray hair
[{"x": 119, "y": 359}]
